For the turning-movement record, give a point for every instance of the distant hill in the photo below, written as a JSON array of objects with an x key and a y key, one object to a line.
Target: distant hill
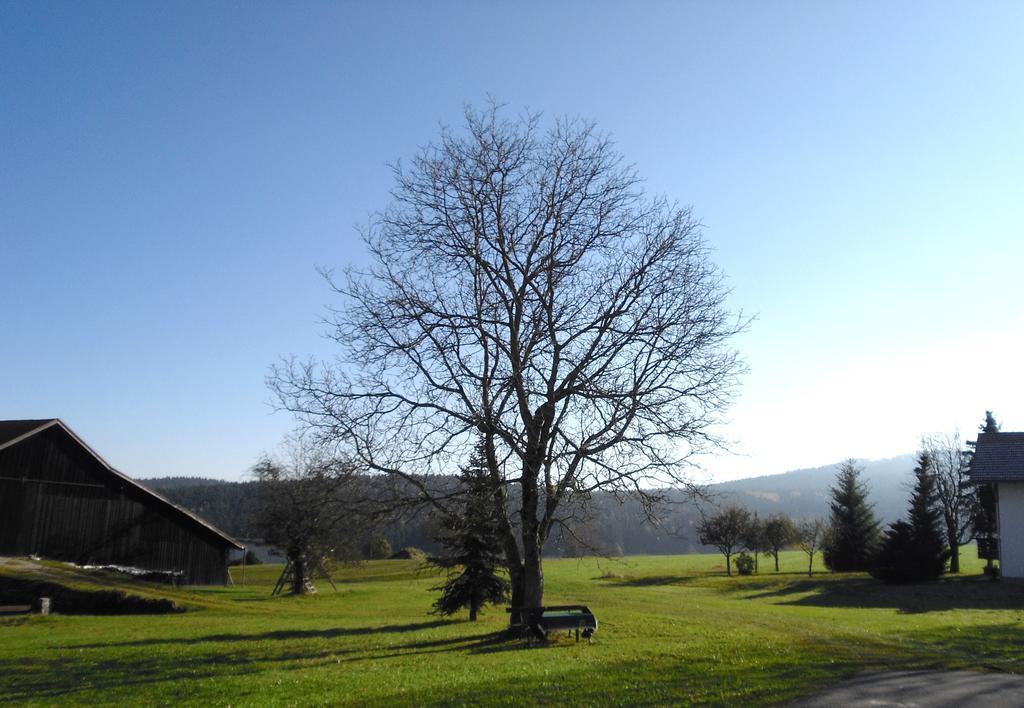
[
  {"x": 803, "y": 493},
  {"x": 614, "y": 526}
]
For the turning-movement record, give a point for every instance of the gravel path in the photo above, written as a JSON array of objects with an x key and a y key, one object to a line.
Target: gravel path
[{"x": 923, "y": 688}]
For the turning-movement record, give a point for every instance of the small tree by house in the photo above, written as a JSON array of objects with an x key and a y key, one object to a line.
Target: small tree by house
[
  {"x": 915, "y": 551},
  {"x": 811, "y": 536},
  {"x": 991, "y": 425},
  {"x": 983, "y": 514},
  {"x": 853, "y": 536},
  {"x": 985, "y": 523},
  {"x": 779, "y": 532},
  {"x": 472, "y": 547},
  {"x": 725, "y": 530}
]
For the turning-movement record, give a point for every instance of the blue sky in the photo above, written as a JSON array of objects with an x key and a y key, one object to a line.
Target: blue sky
[{"x": 171, "y": 175}]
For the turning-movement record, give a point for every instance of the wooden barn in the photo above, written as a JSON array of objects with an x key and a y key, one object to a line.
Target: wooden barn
[{"x": 61, "y": 500}]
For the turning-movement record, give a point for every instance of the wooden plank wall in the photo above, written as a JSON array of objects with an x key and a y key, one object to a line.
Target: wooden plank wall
[{"x": 57, "y": 501}]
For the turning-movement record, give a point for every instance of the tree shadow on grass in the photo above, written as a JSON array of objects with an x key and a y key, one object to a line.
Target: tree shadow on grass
[
  {"x": 996, "y": 646},
  {"x": 502, "y": 642},
  {"x": 64, "y": 676},
  {"x": 283, "y": 635},
  {"x": 34, "y": 678},
  {"x": 492, "y": 643},
  {"x": 40, "y": 678},
  {"x": 652, "y": 580},
  {"x": 950, "y": 593},
  {"x": 767, "y": 589}
]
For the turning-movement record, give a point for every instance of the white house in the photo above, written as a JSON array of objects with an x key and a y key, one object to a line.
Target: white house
[{"x": 999, "y": 461}]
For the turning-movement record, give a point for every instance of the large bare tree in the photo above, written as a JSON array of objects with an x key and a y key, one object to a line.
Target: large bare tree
[{"x": 526, "y": 289}]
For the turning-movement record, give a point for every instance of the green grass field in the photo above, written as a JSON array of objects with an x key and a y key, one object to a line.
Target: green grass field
[{"x": 673, "y": 630}]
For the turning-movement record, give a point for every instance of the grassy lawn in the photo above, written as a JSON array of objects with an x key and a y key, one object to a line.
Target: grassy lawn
[{"x": 673, "y": 630}]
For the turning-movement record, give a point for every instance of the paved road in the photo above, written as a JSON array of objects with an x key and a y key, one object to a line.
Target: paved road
[{"x": 931, "y": 689}]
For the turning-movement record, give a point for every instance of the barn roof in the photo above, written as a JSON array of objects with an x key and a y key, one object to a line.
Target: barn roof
[
  {"x": 998, "y": 457},
  {"x": 11, "y": 431},
  {"x": 14, "y": 431}
]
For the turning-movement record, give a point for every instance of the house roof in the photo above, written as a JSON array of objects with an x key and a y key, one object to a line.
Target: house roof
[
  {"x": 998, "y": 457},
  {"x": 13, "y": 432}
]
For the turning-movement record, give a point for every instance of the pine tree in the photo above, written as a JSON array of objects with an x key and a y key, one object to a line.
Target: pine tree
[
  {"x": 917, "y": 550},
  {"x": 853, "y": 536},
  {"x": 926, "y": 520},
  {"x": 990, "y": 425},
  {"x": 984, "y": 523},
  {"x": 472, "y": 547}
]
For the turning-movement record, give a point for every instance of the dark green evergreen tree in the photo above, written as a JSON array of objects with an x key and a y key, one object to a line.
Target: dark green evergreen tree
[
  {"x": 472, "y": 547},
  {"x": 916, "y": 551},
  {"x": 983, "y": 514},
  {"x": 853, "y": 529},
  {"x": 990, "y": 425}
]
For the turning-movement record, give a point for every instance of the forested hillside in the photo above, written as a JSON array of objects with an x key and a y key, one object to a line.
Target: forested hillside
[
  {"x": 613, "y": 527},
  {"x": 230, "y": 506}
]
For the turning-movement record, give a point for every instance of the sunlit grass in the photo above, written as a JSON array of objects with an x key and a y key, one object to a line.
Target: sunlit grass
[{"x": 673, "y": 630}]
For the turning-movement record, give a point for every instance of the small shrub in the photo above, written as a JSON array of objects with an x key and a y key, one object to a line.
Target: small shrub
[
  {"x": 744, "y": 564},
  {"x": 250, "y": 559},
  {"x": 378, "y": 548},
  {"x": 409, "y": 553}
]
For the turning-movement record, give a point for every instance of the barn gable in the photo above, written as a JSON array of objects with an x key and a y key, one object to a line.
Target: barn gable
[{"x": 60, "y": 499}]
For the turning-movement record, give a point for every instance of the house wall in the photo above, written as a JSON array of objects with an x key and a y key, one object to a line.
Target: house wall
[
  {"x": 1011, "y": 529},
  {"x": 58, "y": 502}
]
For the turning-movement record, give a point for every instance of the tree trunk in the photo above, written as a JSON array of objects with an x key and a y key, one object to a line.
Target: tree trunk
[
  {"x": 952, "y": 533},
  {"x": 299, "y": 576},
  {"x": 533, "y": 579},
  {"x": 514, "y": 566},
  {"x": 810, "y": 564},
  {"x": 533, "y": 570},
  {"x": 728, "y": 564},
  {"x": 513, "y": 559},
  {"x": 515, "y": 574},
  {"x": 776, "y": 562}
]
